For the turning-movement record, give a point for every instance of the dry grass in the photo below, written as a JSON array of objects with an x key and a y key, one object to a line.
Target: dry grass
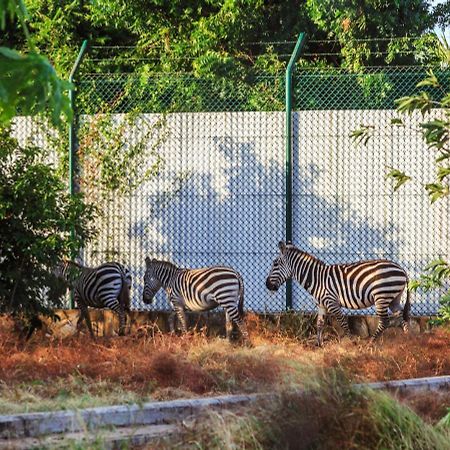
[
  {"x": 334, "y": 415},
  {"x": 153, "y": 365}
]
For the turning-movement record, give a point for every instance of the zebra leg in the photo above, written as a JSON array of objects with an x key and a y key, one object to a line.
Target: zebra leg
[
  {"x": 320, "y": 325},
  {"x": 172, "y": 317},
  {"x": 228, "y": 326},
  {"x": 235, "y": 317},
  {"x": 333, "y": 307},
  {"x": 89, "y": 324},
  {"x": 182, "y": 318},
  {"x": 397, "y": 310},
  {"x": 179, "y": 311},
  {"x": 84, "y": 315},
  {"x": 122, "y": 321},
  {"x": 381, "y": 307},
  {"x": 243, "y": 329}
]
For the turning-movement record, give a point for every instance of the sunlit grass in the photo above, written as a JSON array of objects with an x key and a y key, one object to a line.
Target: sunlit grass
[{"x": 46, "y": 374}]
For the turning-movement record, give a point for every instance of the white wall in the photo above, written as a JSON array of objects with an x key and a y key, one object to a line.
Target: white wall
[{"x": 220, "y": 199}]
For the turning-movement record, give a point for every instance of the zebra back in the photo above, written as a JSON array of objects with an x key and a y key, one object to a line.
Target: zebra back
[{"x": 107, "y": 285}]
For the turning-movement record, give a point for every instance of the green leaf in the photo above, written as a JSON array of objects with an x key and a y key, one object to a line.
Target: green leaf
[
  {"x": 443, "y": 172},
  {"x": 431, "y": 80},
  {"x": 437, "y": 191},
  {"x": 29, "y": 85},
  {"x": 397, "y": 121},
  {"x": 421, "y": 102},
  {"x": 362, "y": 135},
  {"x": 435, "y": 132},
  {"x": 399, "y": 177}
]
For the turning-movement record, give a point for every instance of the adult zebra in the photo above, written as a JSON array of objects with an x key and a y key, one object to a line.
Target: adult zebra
[
  {"x": 355, "y": 286},
  {"x": 105, "y": 286},
  {"x": 197, "y": 290}
]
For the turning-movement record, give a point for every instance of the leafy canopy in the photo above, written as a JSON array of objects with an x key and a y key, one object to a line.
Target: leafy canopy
[{"x": 29, "y": 84}]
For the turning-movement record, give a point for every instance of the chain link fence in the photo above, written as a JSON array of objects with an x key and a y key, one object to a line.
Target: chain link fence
[
  {"x": 214, "y": 170},
  {"x": 345, "y": 209},
  {"x": 218, "y": 196}
]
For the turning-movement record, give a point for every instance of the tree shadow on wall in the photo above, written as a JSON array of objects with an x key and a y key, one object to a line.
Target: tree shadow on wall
[{"x": 233, "y": 213}]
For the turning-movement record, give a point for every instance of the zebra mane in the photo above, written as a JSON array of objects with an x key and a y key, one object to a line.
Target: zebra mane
[
  {"x": 296, "y": 251},
  {"x": 165, "y": 264}
]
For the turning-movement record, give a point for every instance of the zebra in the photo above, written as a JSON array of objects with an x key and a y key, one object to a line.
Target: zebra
[
  {"x": 105, "y": 286},
  {"x": 356, "y": 285},
  {"x": 197, "y": 290}
]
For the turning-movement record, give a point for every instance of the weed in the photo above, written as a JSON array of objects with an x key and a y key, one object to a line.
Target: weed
[{"x": 331, "y": 414}]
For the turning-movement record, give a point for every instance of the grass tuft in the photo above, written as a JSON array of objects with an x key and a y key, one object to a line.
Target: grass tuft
[{"x": 332, "y": 414}]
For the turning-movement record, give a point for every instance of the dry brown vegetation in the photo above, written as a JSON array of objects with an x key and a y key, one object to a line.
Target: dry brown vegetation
[
  {"x": 154, "y": 365},
  {"x": 333, "y": 415}
]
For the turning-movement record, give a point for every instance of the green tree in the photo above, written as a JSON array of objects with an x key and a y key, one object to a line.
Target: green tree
[
  {"x": 29, "y": 84},
  {"x": 353, "y": 23},
  {"x": 217, "y": 36},
  {"x": 36, "y": 218},
  {"x": 36, "y": 214}
]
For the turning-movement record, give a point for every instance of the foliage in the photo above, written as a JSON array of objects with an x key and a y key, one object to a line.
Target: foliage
[
  {"x": 36, "y": 217},
  {"x": 28, "y": 83},
  {"x": 217, "y": 37},
  {"x": 445, "y": 421},
  {"x": 435, "y": 133},
  {"x": 109, "y": 163},
  {"x": 437, "y": 275},
  {"x": 353, "y": 23}
]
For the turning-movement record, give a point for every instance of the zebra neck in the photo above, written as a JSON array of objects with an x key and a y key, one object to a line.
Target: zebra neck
[
  {"x": 167, "y": 272},
  {"x": 308, "y": 270},
  {"x": 73, "y": 273}
]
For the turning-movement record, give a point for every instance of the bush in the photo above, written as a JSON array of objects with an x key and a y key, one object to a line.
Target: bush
[{"x": 36, "y": 219}]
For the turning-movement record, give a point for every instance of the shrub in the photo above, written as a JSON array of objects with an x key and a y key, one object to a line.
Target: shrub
[{"x": 36, "y": 219}]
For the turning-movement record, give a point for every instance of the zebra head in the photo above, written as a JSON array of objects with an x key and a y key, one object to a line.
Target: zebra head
[
  {"x": 152, "y": 283},
  {"x": 280, "y": 271}
]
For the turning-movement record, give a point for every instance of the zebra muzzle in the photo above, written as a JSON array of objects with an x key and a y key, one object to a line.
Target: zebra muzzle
[
  {"x": 147, "y": 299},
  {"x": 271, "y": 285}
]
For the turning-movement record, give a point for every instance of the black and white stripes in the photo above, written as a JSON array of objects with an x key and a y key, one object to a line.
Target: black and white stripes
[
  {"x": 355, "y": 286},
  {"x": 105, "y": 286},
  {"x": 197, "y": 290}
]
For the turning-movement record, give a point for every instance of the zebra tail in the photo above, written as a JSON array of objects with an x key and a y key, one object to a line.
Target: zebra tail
[
  {"x": 241, "y": 296},
  {"x": 407, "y": 307}
]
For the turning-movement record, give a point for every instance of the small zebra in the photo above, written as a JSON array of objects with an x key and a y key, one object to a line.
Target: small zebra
[
  {"x": 197, "y": 290},
  {"x": 105, "y": 286},
  {"x": 356, "y": 285}
]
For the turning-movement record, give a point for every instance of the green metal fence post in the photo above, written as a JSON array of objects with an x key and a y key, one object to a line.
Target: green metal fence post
[
  {"x": 72, "y": 132},
  {"x": 289, "y": 97}
]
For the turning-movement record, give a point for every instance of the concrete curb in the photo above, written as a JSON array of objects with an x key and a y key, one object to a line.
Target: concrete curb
[
  {"x": 32, "y": 425},
  {"x": 41, "y": 423},
  {"x": 412, "y": 384}
]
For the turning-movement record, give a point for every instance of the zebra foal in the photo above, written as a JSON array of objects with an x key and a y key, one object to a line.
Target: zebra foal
[
  {"x": 105, "y": 286},
  {"x": 356, "y": 285},
  {"x": 197, "y": 290}
]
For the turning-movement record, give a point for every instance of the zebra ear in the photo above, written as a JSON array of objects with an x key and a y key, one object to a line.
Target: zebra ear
[
  {"x": 282, "y": 246},
  {"x": 147, "y": 261}
]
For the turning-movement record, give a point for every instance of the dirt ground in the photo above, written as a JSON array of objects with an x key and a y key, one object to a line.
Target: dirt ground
[{"x": 153, "y": 365}]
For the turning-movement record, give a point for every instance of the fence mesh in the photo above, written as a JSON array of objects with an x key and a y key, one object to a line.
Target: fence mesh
[
  {"x": 345, "y": 209},
  {"x": 218, "y": 195}
]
